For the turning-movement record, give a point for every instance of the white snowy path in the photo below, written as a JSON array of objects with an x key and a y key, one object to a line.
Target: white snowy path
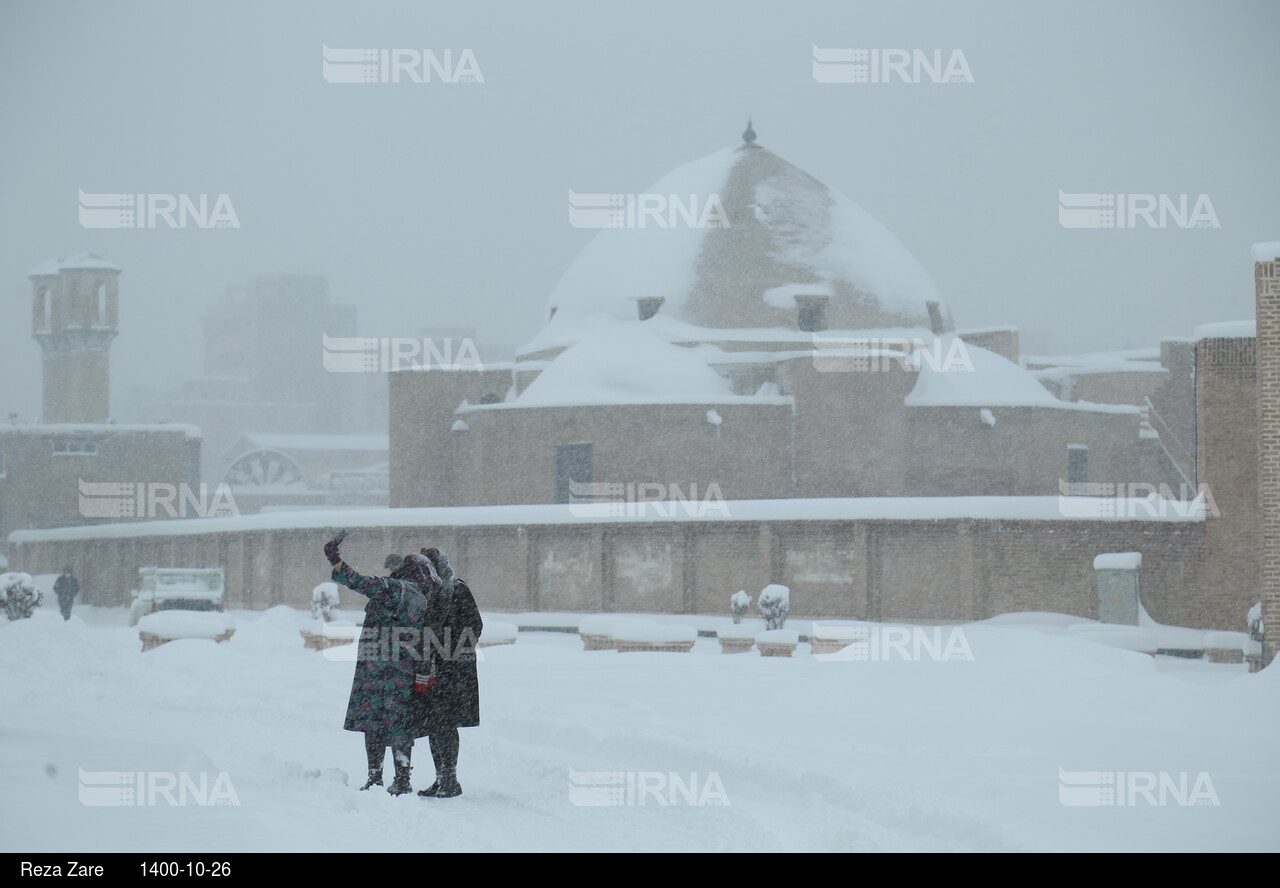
[{"x": 812, "y": 754}]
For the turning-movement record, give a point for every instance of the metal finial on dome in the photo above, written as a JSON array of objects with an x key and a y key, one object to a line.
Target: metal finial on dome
[{"x": 749, "y": 136}]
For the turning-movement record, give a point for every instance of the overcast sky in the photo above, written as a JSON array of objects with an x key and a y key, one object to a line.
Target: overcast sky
[{"x": 446, "y": 204}]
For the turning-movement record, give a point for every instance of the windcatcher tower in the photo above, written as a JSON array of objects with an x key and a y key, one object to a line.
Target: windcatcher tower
[{"x": 74, "y": 316}]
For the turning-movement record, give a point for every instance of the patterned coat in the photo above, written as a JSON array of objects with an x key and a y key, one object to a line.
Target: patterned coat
[
  {"x": 388, "y": 656},
  {"x": 453, "y": 620}
]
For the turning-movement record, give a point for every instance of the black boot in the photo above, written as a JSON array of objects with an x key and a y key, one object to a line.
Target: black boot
[
  {"x": 375, "y": 749},
  {"x": 431, "y": 790},
  {"x": 402, "y": 754},
  {"x": 448, "y": 787}
]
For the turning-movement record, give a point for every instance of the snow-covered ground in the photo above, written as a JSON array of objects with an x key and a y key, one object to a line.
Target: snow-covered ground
[{"x": 809, "y": 752}]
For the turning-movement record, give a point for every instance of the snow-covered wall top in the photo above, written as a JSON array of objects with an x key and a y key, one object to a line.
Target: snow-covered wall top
[
  {"x": 921, "y": 508},
  {"x": 84, "y": 428},
  {"x": 1227, "y": 330},
  {"x": 1268, "y": 252}
]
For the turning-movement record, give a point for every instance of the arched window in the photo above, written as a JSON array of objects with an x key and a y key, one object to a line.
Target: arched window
[{"x": 102, "y": 305}]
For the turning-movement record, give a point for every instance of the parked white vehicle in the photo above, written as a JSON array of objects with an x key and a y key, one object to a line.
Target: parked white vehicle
[{"x": 177, "y": 588}]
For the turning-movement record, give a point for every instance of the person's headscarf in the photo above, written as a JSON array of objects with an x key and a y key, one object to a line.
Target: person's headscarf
[
  {"x": 419, "y": 570},
  {"x": 441, "y": 563}
]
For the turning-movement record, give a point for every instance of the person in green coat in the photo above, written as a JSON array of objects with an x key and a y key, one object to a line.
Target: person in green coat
[{"x": 389, "y": 655}]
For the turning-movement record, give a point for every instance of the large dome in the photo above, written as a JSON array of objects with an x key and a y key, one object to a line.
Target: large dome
[{"x": 787, "y": 235}]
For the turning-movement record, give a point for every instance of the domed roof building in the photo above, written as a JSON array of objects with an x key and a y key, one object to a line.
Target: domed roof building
[
  {"x": 742, "y": 327},
  {"x": 749, "y": 244}
]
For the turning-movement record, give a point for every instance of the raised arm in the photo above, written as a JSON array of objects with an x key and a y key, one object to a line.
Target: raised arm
[{"x": 343, "y": 573}]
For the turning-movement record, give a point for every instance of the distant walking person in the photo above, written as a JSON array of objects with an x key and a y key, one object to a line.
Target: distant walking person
[
  {"x": 386, "y": 661},
  {"x": 66, "y": 588},
  {"x": 453, "y": 627}
]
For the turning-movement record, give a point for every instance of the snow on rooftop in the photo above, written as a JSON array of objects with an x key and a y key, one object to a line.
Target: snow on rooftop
[
  {"x": 79, "y": 261},
  {"x": 627, "y": 362},
  {"x": 1118, "y": 561},
  {"x": 652, "y": 260},
  {"x": 1227, "y": 330},
  {"x": 1106, "y": 359},
  {"x": 272, "y": 441},
  {"x": 994, "y": 381},
  {"x": 920, "y": 508},
  {"x": 1268, "y": 252},
  {"x": 86, "y": 428},
  {"x": 788, "y": 234}
]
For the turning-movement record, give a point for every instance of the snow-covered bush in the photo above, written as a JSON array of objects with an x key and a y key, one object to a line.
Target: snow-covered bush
[
  {"x": 1254, "y": 619},
  {"x": 739, "y": 604},
  {"x": 21, "y": 597},
  {"x": 775, "y": 604},
  {"x": 324, "y": 601}
]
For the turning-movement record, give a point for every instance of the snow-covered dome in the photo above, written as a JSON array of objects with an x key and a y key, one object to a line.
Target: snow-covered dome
[
  {"x": 626, "y": 362},
  {"x": 781, "y": 234},
  {"x": 975, "y": 377}
]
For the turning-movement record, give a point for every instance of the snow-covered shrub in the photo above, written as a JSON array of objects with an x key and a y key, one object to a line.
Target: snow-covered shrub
[
  {"x": 739, "y": 604},
  {"x": 775, "y": 604},
  {"x": 21, "y": 597},
  {"x": 324, "y": 601},
  {"x": 1254, "y": 619}
]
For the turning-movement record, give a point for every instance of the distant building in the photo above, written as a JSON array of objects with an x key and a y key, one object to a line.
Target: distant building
[
  {"x": 264, "y": 373},
  {"x": 269, "y": 471},
  {"x": 794, "y": 349},
  {"x": 75, "y": 466}
]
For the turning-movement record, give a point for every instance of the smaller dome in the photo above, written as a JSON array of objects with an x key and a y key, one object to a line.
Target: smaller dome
[
  {"x": 625, "y": 362},
  {"x": 958, "y": 374}
]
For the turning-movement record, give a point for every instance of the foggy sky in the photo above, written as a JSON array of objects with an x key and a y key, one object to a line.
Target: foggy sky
[{"x": 446, "y": 204}]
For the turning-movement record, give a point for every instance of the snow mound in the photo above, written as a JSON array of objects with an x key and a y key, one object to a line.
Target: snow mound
[
  {"x": 655, "y": 633},
  {"x": 186, "y": 624},
  {"x": 994, "y": 381},
  {"x": 625, "y": 362}
]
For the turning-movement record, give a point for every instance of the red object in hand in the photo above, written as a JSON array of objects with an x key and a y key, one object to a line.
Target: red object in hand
[{"x": 424, "y": 683}]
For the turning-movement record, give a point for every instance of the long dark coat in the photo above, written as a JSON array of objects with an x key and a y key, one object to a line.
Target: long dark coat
[
  {"x": 388, "y": 656},
  {"x": 453, "y": 627}
]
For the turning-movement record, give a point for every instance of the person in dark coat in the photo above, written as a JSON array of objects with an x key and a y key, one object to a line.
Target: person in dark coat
[
  {"x": 453, "y": 628},
  {"x": 387, "y": 660},
  {"x": 66, "y": 587}
]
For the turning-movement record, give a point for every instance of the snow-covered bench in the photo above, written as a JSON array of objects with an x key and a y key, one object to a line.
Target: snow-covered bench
[
  {"x": 833, "y": 636},
  {"x": 738, "y": 638},
  {"x": 777, "y": 642},
  {"x": 165, "y": 626},
  {"x": 327, "y": 635},
  {"x": 632, "y": 637},
  {"x": 597, "y": 632},
  {"x": 496, "y": 632},
  {"x": 1225, "y": 647}
]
